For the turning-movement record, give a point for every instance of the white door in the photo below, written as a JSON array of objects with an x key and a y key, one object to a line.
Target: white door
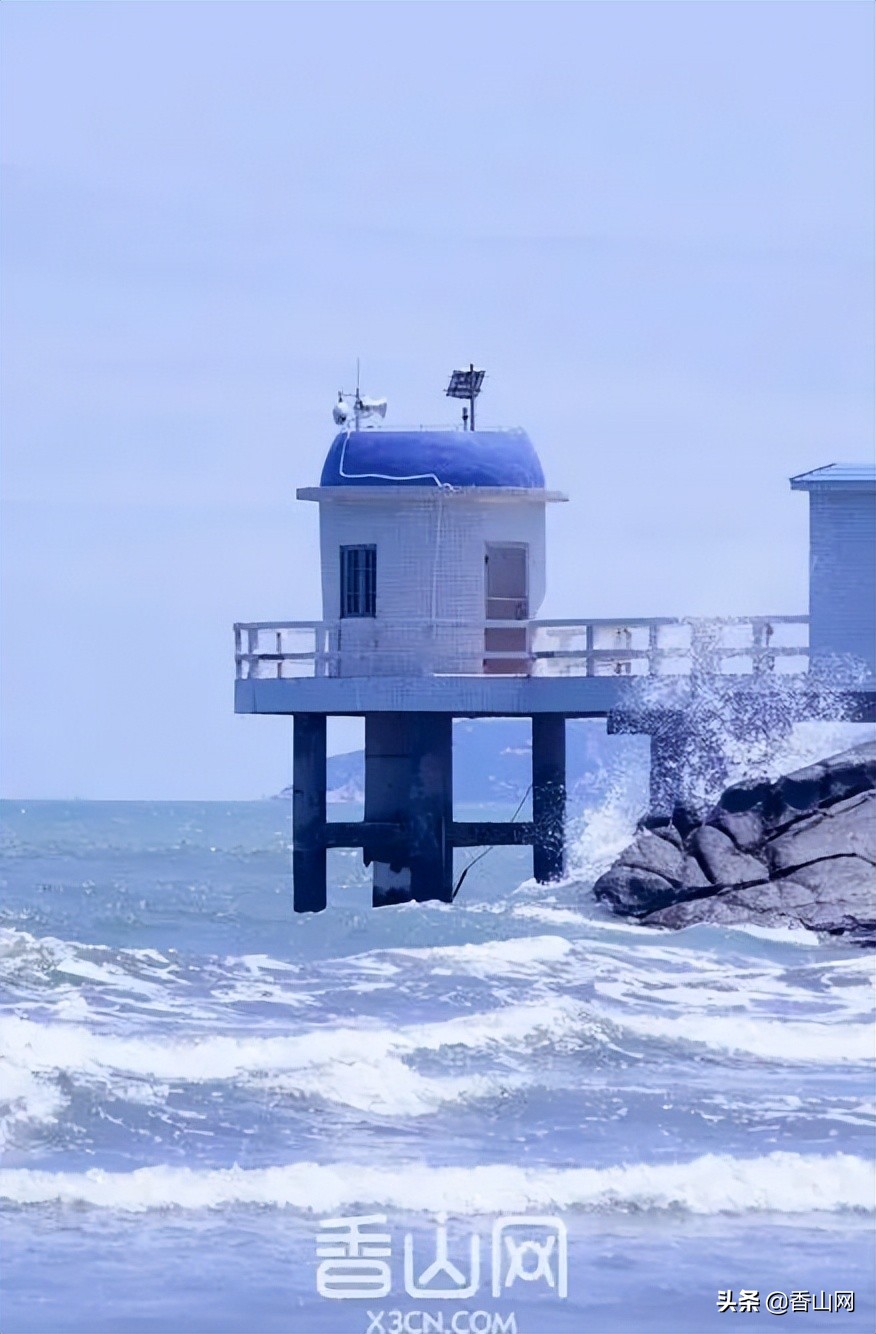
[{"x": 506, "y": 594}]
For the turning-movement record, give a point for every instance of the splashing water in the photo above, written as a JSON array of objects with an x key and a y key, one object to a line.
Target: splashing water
[{"x": 723, "y": 731}]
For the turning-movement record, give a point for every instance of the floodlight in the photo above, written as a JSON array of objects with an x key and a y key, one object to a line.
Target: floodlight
[{"x": 466, "y": 384}]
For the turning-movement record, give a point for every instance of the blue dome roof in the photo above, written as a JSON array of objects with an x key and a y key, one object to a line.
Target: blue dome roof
[{"x": 433, "y": 458}]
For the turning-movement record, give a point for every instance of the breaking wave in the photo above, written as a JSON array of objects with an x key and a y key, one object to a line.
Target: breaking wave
[
  {"x": 360, "y": 1066},
  {"x": 788, "y": 1183}
]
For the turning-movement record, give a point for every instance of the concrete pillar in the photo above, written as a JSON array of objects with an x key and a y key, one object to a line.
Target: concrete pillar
[
  {"x": 548, "y": 796},
  {"x": 308, "y": 813},
  {"x": 431, "y": 806},
  {"x": 667, "y": 785},
  {"x": 408, "y": 783},
  {"x": 387, "y": 784}
]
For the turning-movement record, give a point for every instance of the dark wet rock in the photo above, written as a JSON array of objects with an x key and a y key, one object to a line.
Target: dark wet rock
[
  {"x": 647, "y": 874},
  {"x": 693, "y": 876},
  {"x": 684, "y": 820},
  {"x": 669, "y": 832},
  {"x": 797, "y": 852},
  {"x": 721, "y": 859},
  {"x": 846, "y": 827},
  {"x": 744, "y": 827},
  {"x": 635, "y": 891},
  {"x": 652, "y": 853}
]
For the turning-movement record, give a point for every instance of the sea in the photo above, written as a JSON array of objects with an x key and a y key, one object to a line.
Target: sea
[{"x": 515, "y": 1114}]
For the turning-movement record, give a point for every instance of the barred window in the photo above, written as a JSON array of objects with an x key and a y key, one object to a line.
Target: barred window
[{"x": 358, "y": 581}]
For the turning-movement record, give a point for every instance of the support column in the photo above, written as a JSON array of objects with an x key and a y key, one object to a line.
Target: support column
[
  {"x": 548, "y": 796},
  {"x": 667, "y": 766},
  {"x": 431, "y": 806},
  {"x": 308, "y": 812},
  {"x": 387, "y": 783}
]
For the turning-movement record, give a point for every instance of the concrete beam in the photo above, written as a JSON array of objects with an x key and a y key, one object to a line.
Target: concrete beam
[
  {"x": 364, "y": 833},
  {"x": 491, "y": 833}
]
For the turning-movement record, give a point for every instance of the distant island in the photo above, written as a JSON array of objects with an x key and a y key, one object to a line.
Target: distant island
[{"x": 493, "y": 762}]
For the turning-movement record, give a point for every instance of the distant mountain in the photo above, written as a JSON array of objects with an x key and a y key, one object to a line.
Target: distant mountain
[{"x": 491, "y": 761}]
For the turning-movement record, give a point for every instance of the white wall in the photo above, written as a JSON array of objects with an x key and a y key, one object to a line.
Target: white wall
[
  {"x": 430, "y": 568},
  {"x": 842, "y": 573}
]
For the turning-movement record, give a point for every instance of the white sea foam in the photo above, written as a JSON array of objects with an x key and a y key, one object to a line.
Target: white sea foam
[
  {"x": 783, "y": 1183},
  {"x": 29, "y": 959},
  {"x": 606, "y": 830},
  {"x": 782, "y": 935},
  {"x": 553, "y": 916},
  {"x": 771, "y": 1039},
  {"x": 362, "y": 1066},
  {"x": 518, "y": 956},
  {"x": 25, "y": 1099}
]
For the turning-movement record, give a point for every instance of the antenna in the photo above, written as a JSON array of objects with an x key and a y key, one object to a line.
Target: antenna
[
  {"x": 355, "y": 406},
  {"x": 466, "y": 384}
]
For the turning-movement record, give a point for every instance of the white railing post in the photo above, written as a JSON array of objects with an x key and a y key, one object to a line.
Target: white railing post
[
  {"x": 259, "y": 645},
  {"x": 704, "y": 648},
  {"x": 653, "y": 651}
]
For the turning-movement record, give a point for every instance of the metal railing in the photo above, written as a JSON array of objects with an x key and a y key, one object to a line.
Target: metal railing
[{"x": 635, "y": 646}]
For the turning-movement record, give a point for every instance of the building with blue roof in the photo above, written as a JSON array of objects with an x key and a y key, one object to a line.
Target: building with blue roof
[
  {"x": 424, "y": 535},
  {"x": 451, "y": 458},
  {"x": 836, "y": 474},
  {"x": 842, "y": 567}
]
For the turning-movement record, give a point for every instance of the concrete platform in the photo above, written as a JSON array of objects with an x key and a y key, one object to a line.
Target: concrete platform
[
  {"x": 629, "y": 699},
  {"x": 462, "y": 696}
]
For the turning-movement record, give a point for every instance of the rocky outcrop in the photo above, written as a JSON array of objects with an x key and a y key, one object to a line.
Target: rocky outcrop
[{"x": 798, "y": 851}]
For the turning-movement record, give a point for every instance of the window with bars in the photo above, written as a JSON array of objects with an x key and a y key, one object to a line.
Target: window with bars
[{"x": 358, "y": 581}]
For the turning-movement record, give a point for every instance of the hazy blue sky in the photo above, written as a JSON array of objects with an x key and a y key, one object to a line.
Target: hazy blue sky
[{"x": 652, "y": 223}]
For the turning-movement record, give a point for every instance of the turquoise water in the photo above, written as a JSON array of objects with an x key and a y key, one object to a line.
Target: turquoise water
[{"x": 193, "y": 1079}]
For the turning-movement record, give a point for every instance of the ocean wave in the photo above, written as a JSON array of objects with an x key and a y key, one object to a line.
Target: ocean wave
[
  {"x": 26, "y": 1099},
  {"x": 514, "y": 957},
  {"x": 779, "y": 1039},
  {"x": 34, "y": 960},
  {"x": 783, "y": 1183},
  {"x": 362, "y": 1066},
  {"x": 553, "y": 916},
  {"x": 781, "y": 935}
]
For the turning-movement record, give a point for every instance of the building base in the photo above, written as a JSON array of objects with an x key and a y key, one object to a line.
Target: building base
[{"x": 408, "y": 834}]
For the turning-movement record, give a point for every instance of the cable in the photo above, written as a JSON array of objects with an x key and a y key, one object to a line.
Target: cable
[
  {"x": 474, "y": 861},
  {"x": 385, "y": 477},
  {"x": 439, "y": 518}
]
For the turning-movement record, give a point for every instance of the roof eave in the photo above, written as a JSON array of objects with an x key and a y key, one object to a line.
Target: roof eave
[{"x": 363, "y": 494}]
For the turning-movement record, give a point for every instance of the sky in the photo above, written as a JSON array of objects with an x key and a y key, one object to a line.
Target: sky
[{"x": 652, "y": 223}]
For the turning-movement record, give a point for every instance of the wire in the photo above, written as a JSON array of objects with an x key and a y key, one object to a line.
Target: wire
[
  {"x": 439, "y": 518},
  {"x": 385, "y": 477},
  {"x": 481, "y": 855}
]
